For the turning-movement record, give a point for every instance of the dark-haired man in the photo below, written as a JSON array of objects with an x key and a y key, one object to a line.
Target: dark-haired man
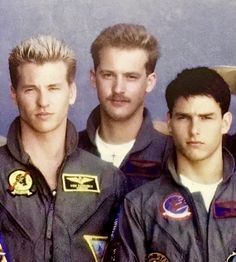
[{"x": 188, "y": 213}]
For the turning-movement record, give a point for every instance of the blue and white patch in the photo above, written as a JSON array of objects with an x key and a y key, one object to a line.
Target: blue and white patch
[
  {"x": 97, "y": 245},
  {"x": 231, "y": 257},
  {"x": 175, "y": 207}
]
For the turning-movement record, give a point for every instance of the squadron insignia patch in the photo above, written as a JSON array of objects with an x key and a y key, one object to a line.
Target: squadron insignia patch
[
  {"x": 157, "y": 257},
  {"x": 80, "y": 183},
  {"x": 20, "y": 183},
  {"x": 231, "y": 257},
  {"x": 4, "y": 256},
  {"x": 97, "y": 245},
  {"x": 175, "y": 207}
]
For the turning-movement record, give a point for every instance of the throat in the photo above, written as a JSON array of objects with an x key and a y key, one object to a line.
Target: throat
[{"x": 112, "y": 152}]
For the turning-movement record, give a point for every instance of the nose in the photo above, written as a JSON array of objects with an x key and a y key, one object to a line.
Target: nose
[
  {"x": 194, "y": 129},
  {"x": 42, "y": 99},
  {"x": 119, "y": 85}
]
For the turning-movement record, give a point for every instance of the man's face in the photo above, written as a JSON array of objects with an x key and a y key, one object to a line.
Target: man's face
[
  {"x": 43, "y": 96},
  {"x": 197, "y": 126},
  {"x": 122, "y": 83}
]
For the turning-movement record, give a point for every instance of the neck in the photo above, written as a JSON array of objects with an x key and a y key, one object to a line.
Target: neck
[
  {"x": 46, "y": 150},
  {"x": 119, "y": 132},
  {"x": 205, "y": 171}
]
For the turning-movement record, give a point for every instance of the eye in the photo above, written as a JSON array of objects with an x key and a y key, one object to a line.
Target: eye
[
  {"x": 132, "y": 77},
  {"x": 180, "y": 117},
  {"x": 207, "y": 117},
  {"x": 28, "y": 90},
  {"x": 107, "y": 75},
  {"x": 53, "y": 88}
]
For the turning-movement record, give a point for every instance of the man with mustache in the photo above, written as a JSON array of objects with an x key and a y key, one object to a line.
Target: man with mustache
[
  {"x": 120, "y": 129},
  {"x": 188, "y": 213},
  {"x": 57, "y": 202}
]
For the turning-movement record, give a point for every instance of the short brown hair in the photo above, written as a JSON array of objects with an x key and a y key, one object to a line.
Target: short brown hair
[
  {"x": 127, "y": 36},
  {"x": 40, "y": 50}
]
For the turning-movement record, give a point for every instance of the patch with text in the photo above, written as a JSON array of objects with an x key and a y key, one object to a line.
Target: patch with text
[{"x": 80, "y": 183}]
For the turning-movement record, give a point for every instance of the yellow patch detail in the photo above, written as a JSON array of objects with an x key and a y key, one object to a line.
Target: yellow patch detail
[
  {"x": 80, "y": 183},
  {"x": 157, "y": 257},
  {"x": 2, "y": 255},
  {"x": 97, "y": 245},
  {"x": 20, "y": 183}
]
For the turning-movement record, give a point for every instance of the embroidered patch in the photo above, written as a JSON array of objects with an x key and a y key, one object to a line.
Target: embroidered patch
[
  {"x": 4, "y": 256},
  {"x": 231, "y": 257},
  {"x": 97, "y": 245},
  {"x": 175, "y": 207},
  {"x": 142, "y": 168},
  {"x": 157, "y": 257},
  {"x": 80, "y": 183},
  {"x": 225, "y": 209},
  {"x": 20, "y": 183}
]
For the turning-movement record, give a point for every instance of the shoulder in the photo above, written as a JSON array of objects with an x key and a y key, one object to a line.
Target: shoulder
[{"x": 83, "y": 137}]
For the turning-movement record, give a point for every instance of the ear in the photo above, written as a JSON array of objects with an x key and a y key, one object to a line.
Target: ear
[
  {"x": 151, "y": 82},
  {"x": 73, "y": 93},
  {"x": 93, "y": 78},
  {"x": 13, "y": 95},
  {"x": 168, "y": 115},
  {"x": 226, "y": 123}
]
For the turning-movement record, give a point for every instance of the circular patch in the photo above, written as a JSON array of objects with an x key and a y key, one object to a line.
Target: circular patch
[
  {"x": 231, "y": 257},
  {"x": 174, "y": 206},
  {"x": 20, "y": 183},
  {"x": 157, "y": 257}
]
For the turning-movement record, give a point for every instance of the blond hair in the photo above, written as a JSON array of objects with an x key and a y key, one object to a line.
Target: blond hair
[
  {"x": 39, "y": 50},
  {"x": 127, "y": 36}
]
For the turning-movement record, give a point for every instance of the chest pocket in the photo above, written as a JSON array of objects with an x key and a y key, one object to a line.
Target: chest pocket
[{"x": 138, "y": 172}]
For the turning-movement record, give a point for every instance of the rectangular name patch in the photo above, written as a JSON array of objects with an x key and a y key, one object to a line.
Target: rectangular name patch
[
  {"x": 225, "y": 209},
  {"x": 80, "y": 183}
]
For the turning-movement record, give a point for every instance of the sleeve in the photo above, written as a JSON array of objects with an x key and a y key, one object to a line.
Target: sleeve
[{"x": 128, "y": 241}]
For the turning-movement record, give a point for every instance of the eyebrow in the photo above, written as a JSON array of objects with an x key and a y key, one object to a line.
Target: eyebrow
[
  {"x": 35, "y": 86},
  {"x": 189, "y": 115}
]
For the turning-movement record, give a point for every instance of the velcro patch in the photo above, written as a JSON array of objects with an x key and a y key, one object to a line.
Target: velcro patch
[
  {"x": 225, "y": 209},
  {"x": 97, "y": 245},
  {"x": 146, "y": 168},
  {"x": 80, "y": 183}
]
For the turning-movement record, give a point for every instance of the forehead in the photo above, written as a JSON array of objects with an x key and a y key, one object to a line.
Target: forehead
[
  {"x": 49, "y": 71},
  {"x": 196, "y": 105},
  {"x": 125, "y": 59}
]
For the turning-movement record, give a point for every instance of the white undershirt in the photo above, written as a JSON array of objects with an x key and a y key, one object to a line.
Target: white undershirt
[
  {"x": 207, "y": 190},
  {"x": 112, "y": 153}
]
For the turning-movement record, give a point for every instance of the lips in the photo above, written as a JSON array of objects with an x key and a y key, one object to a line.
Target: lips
[
  {"x": 43, "y": 115},
  {"x": 195, "y": 143}
]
